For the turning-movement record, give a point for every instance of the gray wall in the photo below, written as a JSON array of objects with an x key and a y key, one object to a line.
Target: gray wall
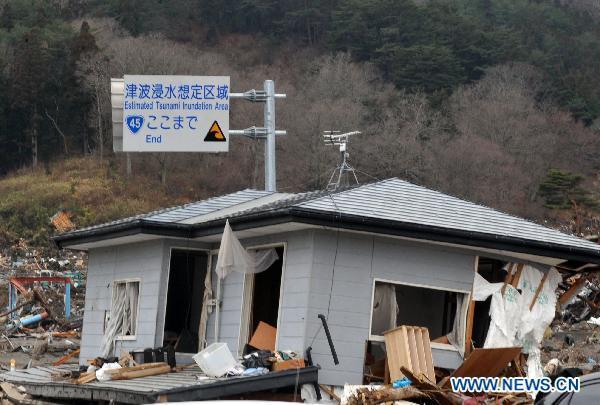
[
  {"x": 146, "y": 261},
  {"x": 325, "y": 272},
  {"x": 346, "y": 265},
  {"x": 139, "y": 260},
  {"x": 293, "y": 303}
]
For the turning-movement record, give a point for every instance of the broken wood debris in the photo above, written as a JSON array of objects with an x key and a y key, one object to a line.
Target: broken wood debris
[
  {"x": 410, "y": 347},
  {"x": 126, "y": 373}
]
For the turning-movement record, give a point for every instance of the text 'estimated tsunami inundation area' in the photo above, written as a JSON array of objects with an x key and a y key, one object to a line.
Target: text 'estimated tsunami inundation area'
[{"x": 176, "y": 113}]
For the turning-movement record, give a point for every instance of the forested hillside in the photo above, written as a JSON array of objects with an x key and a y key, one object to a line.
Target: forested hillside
[{"x": 495, "y": 101}]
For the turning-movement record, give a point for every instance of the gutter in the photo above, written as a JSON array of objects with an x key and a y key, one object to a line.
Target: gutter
[
  {"x": 138, "y": 226},
  {"x": 334, "y": 220}
]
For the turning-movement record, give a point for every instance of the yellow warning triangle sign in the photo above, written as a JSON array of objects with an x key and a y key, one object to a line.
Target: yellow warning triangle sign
[{"x": 215, "y": 134}]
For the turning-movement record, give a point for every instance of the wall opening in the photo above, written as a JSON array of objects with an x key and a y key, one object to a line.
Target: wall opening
[
  {"x": 185, "y": 292},
  {"x": 265, "y": 295},
  {"x": 401, "y": 304}
]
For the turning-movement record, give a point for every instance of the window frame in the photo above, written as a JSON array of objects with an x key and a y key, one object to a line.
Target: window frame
[
  {"x": 434, "y": 345},
  {"x": 137, "y": 318}
]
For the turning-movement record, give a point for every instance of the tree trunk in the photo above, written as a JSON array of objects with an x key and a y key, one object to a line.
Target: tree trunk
[
  {"x": 128, "y": 164},
  {"x": 85, "y": 136},
  {"x": 34, "y": 139},
  {"x": 163, "y": 170},
  {"x": 100, "y": 129}
]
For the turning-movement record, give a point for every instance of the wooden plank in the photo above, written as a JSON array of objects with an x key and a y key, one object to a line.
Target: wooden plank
[
  {"x": 508, "y": 278},
  {"x": 396, "y": 343},
  {"x": 66, "y": 357},
  {"x": 428, "y": 355},
  {"x": 412, "y": 350},
  {"x": 419, "y": 350},
  {"x": 129, "y": 375},
  {"x": 409, "y": 347},
  {"x": 571, "y": 291},
  {"x": 135, "y": 368},
  {"x": 470, "y": 315},
  {"x": 538, "y": 290},
  {"x": 487, "y": 362},
  {"x": 85, "y": 378},
  {"x": 517, "y": 277}
]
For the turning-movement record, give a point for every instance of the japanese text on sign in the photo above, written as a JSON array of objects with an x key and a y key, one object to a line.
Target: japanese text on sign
[{"x": 175, "y": 113}]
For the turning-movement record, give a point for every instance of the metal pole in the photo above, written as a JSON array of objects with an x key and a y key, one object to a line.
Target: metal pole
[{"x": 270, "y": 162}]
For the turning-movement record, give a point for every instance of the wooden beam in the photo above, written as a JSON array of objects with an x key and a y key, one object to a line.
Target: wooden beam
[
  {"x": 508, "y": 278},
  {"x": 66, "y": 357},
  {"x": 471, "y": 314},
  {"x": 129, "y": 375},
  {"x": 571, "y": 291},
  {"x": 539, "y": 289},
  {"x": 329, "y": 392},
  {"x": 517, "y": 277}
]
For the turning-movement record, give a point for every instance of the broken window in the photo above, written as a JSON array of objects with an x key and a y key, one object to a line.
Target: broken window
[
  {"x": 397, "y": 304},
  {"x": 127, "y": 293},
  {"x": 122, "y": 323}
]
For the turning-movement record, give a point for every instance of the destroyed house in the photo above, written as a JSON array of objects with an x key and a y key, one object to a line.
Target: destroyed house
[{"x": 368, "y": 258}]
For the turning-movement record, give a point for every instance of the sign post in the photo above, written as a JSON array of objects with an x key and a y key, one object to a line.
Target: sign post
[{"x": 187, "y": 114}]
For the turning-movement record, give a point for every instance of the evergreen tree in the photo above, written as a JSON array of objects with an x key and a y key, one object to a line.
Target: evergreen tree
[{"x": 562, "y": 190}]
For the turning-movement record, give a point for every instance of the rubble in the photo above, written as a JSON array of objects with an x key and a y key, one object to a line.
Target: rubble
[
  {"x": 35, "y": 330},
  {"x": 572, "y": 340}
]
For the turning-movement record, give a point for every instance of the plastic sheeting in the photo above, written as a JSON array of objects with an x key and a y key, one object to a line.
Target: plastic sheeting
[
  {"x": 512, "y": 323},
  {"x": 234, "y": 257},
  {"x": 457, "y": 336},
  {"x": 385, "y": 308},
  {"x": 206, "y": 310}
]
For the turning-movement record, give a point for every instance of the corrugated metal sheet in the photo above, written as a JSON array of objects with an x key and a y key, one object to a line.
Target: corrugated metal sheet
[{"x": 398, "y": 200}]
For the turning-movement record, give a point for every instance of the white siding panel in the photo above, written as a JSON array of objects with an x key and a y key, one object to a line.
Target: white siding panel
[{"x": 142, "y": 261}]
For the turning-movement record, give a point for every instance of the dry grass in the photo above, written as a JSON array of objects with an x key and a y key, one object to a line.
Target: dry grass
[{"x": 92, "y": 191}]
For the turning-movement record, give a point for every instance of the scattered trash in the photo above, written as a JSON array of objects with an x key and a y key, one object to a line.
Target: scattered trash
[
  {"x": 594, "y": 321},
  {"x": 216, "y": 360},
  {"x": 264, "y": 337},
  {"x": 102, "y": 375},
  {"x": 401, "y": 383}
]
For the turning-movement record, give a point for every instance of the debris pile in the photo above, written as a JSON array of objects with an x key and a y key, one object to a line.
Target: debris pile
[
  {"x": 42, "y": 297},
  {"x": 580, "y": 300},
  {"x": 573, "y": 339}
]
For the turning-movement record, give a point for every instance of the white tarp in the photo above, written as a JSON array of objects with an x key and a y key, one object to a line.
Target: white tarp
[
  {"x": 512, "y": 323},
  {"x": 457, "y": 336},
  {"x": 234, "y": 257},
  {"x": 206, "y": 309}
]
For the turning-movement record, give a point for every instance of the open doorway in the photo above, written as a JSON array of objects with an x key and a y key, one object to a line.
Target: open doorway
[
  {"x": 263, "y": 292},
  {"x": 187, "y": 272}
]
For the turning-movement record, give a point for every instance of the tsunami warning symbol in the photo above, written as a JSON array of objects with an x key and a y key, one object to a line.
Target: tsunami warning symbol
[{"x": 215, "y": 134}]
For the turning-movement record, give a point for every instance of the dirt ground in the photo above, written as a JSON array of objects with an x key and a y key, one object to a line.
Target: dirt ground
[
  {"x": 576, "y": 345},
  {"x": 35, "y": 350}
]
